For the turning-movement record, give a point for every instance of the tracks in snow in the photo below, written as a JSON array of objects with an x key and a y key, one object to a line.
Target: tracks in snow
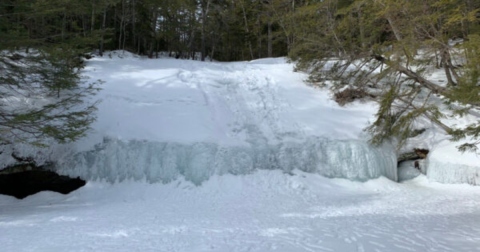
[{"x": 267, "y": 211}]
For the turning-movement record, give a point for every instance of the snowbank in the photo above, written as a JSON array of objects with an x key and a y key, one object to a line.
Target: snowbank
[
  {"x": 407, "y": 171},
  {"x": 447, "y": 165}
]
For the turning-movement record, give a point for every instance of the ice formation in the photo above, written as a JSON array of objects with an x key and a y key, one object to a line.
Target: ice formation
[
  {"x": 116, "y": 160},
  {"x": 452, "y": 172},
  {"x": 200, "y": 119},
  {"x": 445, "y": 164}
]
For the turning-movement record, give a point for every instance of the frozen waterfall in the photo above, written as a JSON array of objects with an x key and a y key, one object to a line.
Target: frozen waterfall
[
  {"x": 166, "y": 119},
  {"x": 116, "y": 160}
]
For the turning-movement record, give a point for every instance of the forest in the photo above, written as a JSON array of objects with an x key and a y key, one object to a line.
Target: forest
[
  {"x": 239, "y": 125},
  {"x": 384, "y": 49},
  {"x": 223, "y": 30}
]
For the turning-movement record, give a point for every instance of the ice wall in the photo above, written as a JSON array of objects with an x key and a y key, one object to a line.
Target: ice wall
[
  {"x": 444, "y": 171},
  {"x": 445, "y": 164},
  {"x": 115, "y": 160}
]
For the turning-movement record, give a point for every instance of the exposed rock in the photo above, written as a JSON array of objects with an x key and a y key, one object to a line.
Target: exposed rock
[
  {"x": 414, "y": 155},
  {"x": 422, "y": 153},
  {"x": 407, "y": 157},
  {"x": 17, "y": 168}
]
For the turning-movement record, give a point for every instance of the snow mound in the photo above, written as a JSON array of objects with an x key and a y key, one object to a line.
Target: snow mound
[
  {"x": 116, "y": 160},
  {"x": 446, "y": 165},
  {"x": 453, "y": 173},
  {"x": 407, "y": 171}
]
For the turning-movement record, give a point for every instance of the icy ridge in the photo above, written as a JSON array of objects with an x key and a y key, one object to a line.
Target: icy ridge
[
  {"x": 116, "y": 160},
  {"x": 452, "y": 173}
]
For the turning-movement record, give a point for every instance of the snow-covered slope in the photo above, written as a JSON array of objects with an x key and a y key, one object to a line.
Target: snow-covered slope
[
  {"x": 160, "y": 119},
  {"x": 242, "y": 150},
  {"x": 169, "y": 100}
]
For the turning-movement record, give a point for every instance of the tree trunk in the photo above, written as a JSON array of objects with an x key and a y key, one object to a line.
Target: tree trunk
[
  {"x": 270, "y": 39},
  {"x": 205, "y": 6},
  {"x": 419, "y": 79},
  {"x": 64, "y": 25},
  {"x": 93, "y": 19},
  {"x": 134, "y": 37},
  {"x": 259, "y": 37},
  {"x": 121, "y": 26},
  {"x": 362, "y": 29},
  {"x": 212, "y": 52},
  {"x": 154, "y": 28},
  {"x": 102, "y": 40},
  {"x": 247, "y": 30},
  {"x": 203, "y": 34}
]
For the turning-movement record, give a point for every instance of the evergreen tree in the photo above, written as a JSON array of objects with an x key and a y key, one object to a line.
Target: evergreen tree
[
  {"x": 387, "y": 48},
  {"x": 41, "y": 90}
]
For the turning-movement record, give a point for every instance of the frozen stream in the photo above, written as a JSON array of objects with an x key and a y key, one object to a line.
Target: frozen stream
[{"x": 163, "y": 119}]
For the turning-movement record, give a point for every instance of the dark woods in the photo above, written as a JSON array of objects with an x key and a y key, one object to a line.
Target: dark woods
[
  {"x": 383, "y": 49},
  {"x": 227, "y": 30}
]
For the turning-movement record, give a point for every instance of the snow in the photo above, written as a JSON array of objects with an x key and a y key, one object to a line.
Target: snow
[
  {"x": 254, "y": 115},
  {"x": 263, "y": 211},
  {"x": 447, "y": 165},
  {"x": 407, "y": 170},
  {"x": 191, "y": 156},
  {"x": 183, "y": 101},
  {"x": 165, "y": 118}
]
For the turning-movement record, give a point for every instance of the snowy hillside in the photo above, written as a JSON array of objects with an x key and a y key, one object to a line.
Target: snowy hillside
[
  {"x": 161, "y": 119},
  {"x": 185, "y": 101},
  {"x": 234, "y": 157}
]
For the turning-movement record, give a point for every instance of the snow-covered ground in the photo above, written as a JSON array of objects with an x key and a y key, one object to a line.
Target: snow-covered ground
[
  {"x": 264, "y": 211},
  {"x": 184, "y": 101},
  {"x": 193, "y": 156}
]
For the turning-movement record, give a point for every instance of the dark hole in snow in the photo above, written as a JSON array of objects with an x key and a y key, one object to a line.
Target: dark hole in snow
[{"x": 25, "y": 183}]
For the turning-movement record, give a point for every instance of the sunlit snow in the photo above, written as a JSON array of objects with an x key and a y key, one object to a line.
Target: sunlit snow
[
  {"x": 193, "y": 156},
  {"x": 264, "y": 211},
  {"x": 161, "y": 119}
]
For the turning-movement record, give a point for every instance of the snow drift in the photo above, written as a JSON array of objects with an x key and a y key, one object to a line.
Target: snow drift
[{"x": 446, "y": 165}]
